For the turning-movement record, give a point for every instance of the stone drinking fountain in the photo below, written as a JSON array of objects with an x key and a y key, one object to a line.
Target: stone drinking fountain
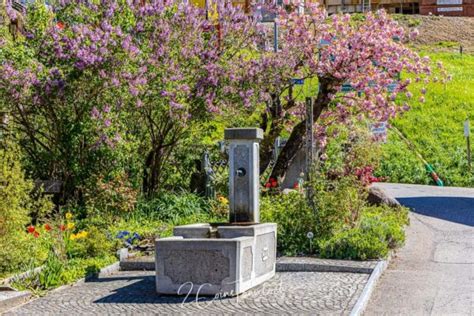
[{"x": 223, "y": 259}]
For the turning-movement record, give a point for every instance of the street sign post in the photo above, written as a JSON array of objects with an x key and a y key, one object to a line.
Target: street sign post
[
  {"x": 297, "y": 82},
  {"x": 379, "y": 131}
]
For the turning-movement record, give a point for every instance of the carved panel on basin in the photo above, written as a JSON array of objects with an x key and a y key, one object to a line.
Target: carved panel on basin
[{"x": 198, "y": 267}]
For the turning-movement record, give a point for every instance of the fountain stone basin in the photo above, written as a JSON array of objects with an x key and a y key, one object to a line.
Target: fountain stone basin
[
  {"x": 215, "y": 259},
  {"x": 223, "y": 259}
]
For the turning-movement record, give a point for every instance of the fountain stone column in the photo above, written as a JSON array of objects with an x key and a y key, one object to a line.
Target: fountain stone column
[{"x": 244, "y": 174}]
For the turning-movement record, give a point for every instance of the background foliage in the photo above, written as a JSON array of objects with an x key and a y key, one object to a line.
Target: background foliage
[
  {"x": 343, "y": 224},
  {"x": 17, "y": 200}
]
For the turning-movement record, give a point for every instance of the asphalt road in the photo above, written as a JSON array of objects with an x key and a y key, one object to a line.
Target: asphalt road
[{"x": 433, "y": 274}]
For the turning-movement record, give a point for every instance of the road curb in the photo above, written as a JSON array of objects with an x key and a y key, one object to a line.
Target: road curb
[{"x": 369, "y": 287}]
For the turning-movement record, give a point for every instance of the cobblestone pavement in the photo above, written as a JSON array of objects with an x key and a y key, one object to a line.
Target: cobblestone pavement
[
  {"x": 134, "y": 293},
  {"x": 433, "y": 274}
]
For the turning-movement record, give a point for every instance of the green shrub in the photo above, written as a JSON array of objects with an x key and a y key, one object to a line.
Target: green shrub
[
  {"x": 343, "y": 224},
  {"x": 339, "y": 206},
  {"x": 295, "y": 220},
  {"x": 82, "y": 267},
  {"x": 57, "y": 272},
  {"x": 50, "y": 275},
  {"x": 97, "y": 244},
  {"x": 354, "y": 244},
  {"x": 170, "y": 207},
  {"x": 157, "y": 216},
  {"x": 379, "y": 230},
  {"x": 17, "y": 248},
  {"x": 388, "y": 222}
]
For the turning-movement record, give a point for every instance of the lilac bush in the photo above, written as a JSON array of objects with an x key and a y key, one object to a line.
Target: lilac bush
[{"x": 103, "y": 79}]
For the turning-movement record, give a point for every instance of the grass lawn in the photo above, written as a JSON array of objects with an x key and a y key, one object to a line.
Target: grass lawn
[{"x": 436, "y": 129}]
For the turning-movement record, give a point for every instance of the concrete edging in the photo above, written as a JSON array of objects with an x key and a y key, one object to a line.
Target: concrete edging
[
  {"x": 111, "y": 268},
  {"x": 315, "y": 267},
  {"x": 20, "y": 276},
  {"x": 12, "y": 299},
  {"x": 114, "y": 267},
  {"x": 369, "y": 287}
]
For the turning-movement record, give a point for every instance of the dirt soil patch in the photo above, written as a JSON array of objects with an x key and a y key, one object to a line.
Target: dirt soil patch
[{"x": 443, "y": 33}]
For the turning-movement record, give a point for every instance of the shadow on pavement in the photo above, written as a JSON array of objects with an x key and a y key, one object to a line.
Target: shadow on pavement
[
  {"x": 95, "y": 278},
  {"x": 143, "y": 292},
  {"x": 454, "y": 209}
]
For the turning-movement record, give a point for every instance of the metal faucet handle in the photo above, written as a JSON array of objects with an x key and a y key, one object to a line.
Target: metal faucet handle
[{"x": 240, "y": 172}]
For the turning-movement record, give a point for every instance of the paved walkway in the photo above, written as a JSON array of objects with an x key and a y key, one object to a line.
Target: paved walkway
[
  {"x": 133, "y": 293},
  {"x": 433, "y": 274}
]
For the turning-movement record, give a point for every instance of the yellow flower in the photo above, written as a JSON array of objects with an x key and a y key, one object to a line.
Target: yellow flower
[
  {"x": 70, "y": 226},
  {"x": 223, "y": 200},
  {"x": 80, "y": 235},
  {"x": 68, "y": 215}
]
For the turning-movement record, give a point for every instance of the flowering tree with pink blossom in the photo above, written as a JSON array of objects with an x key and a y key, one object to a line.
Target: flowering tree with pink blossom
[{"x": 367, "y": 56}]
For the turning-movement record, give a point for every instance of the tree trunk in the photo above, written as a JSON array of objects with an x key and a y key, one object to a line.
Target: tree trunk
[
  {"x": 288, "y": 153},
  {"x": 267, "y": 145},
  {"x": 152, "y": 170},
  {"x": 295, "y": 142}
]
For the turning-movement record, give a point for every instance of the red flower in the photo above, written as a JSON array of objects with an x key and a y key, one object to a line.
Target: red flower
[
  {"x": 268, "y": 185},
  {"x": 62, "y": 227},
  {"x": 274, "y": 184},
  {"x": 60, "y": 25},
  {"x": 36, "y": 234},
  {"x": 295, "y": 186},
  {"x": 31, "y": 229},
  {"x": 47, "y": 227}
]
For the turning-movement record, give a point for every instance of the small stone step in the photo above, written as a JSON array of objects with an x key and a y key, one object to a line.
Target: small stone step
[
  {"x": 10, "y": 299},
  {"x": 142, "y": 263}
]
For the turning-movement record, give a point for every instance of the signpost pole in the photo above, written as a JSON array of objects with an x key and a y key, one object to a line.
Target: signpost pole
[
  {"x": 309, "y": 137},
  {"x": 275, "y": 37},
  {"x": 467, "y": 134},
  {"x": 310, "y": 154}
]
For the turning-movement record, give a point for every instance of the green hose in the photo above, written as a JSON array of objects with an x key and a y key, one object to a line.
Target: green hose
[{"x": 429, "y": 168}]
